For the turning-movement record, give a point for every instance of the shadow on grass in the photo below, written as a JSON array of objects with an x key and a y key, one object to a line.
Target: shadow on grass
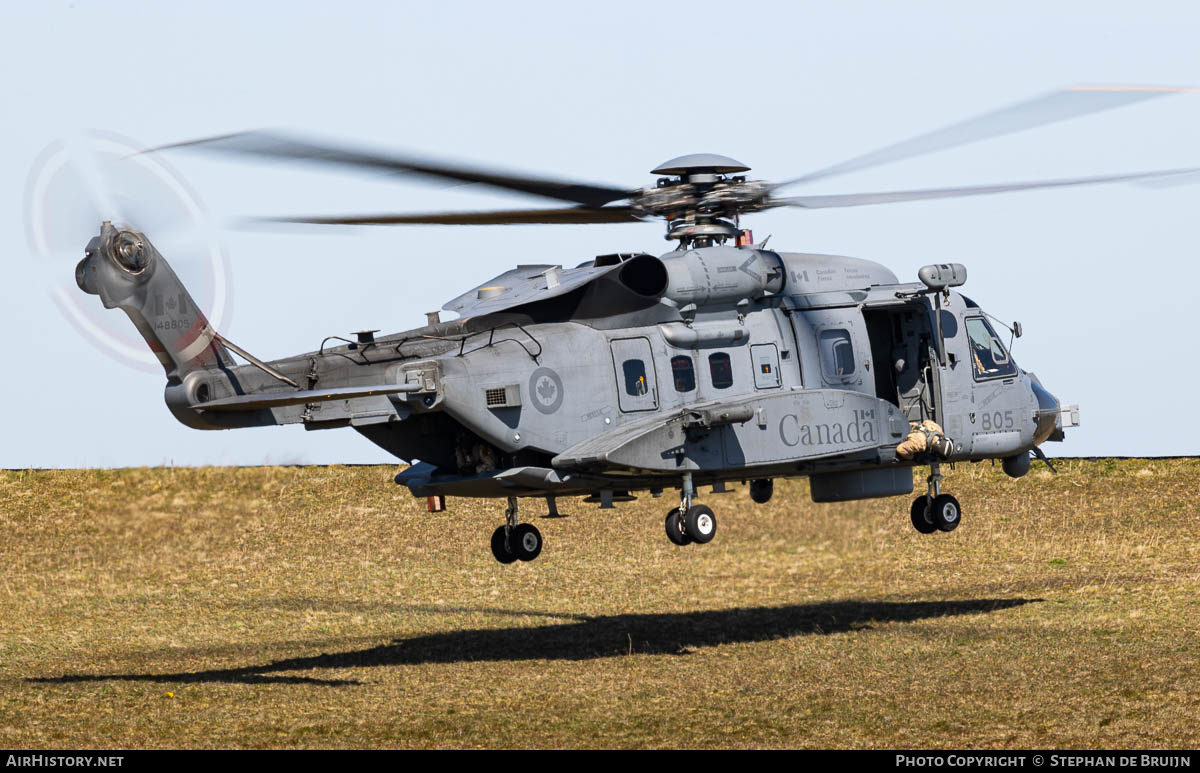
[{"x": 588, "y": 638}]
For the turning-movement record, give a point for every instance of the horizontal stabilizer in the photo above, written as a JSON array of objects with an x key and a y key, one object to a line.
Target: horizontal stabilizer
[{"x": 280, "y": 399}]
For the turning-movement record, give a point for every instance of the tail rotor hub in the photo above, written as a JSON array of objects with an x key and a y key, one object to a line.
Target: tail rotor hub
[{"x": 128, "y": 250}]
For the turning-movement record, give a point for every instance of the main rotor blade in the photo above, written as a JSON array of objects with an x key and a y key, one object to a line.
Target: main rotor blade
[
  {"x": 1040, "y": 111},
  {"x": 259, "y": 143},
  {"x": 497, "y": 217},
  {"x": 890, "y": 197}
]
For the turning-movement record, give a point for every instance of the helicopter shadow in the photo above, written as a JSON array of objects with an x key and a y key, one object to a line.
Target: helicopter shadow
[{"x": 587, "y": 638}]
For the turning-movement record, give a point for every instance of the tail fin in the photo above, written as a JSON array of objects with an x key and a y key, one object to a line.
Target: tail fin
[{"x": 128, "y": 273}]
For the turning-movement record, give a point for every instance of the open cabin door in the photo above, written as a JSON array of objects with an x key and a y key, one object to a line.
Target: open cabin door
[{"x": 903, "y": 348}]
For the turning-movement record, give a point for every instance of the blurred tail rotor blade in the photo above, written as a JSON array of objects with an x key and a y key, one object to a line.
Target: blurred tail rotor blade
[
  {"x": 269, "y": 145},
  {"x": 81, "y": 180},
  {"x": 91, "y": 169},
  {"x": 498, "y": 217},
  {"x": 891, "y": 197},
  {"x": 1040, "y": 111}
]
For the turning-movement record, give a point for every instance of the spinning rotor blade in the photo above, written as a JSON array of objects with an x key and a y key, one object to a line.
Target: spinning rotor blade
[
  {"x": 258, "y": 143},
  {"x": 79, "y": 181},
  {"x": 890, "y": 197},
  {"x": 1040, "y": 111},
  {"x": 497, "y": 217}
]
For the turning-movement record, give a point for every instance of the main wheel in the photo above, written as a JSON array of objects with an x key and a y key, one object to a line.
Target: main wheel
[
  {"x": 500, "y": 549},
  {"x": 946, "y": 512},
  {"x": 527, "y": 541},
  {"x": 700, "y": 523},
  {"x": 761, "y": 490},
  {"x": 675, "y": 531},
  {"x": 922, "y": 516}
]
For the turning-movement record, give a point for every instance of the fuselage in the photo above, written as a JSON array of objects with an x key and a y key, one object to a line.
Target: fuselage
[{"x": 572, "y": 380}]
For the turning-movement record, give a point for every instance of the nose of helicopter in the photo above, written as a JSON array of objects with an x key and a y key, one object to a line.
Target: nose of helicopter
[{"x": 1048, "y": 411}]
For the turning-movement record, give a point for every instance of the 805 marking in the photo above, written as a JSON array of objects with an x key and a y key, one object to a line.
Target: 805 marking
[{"x": 997, "y": 420}]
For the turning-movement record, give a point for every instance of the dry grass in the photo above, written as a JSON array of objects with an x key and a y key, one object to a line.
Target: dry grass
[{"x": 322, "y": 607}]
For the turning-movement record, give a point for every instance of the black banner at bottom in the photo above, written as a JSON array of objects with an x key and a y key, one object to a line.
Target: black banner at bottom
[{"x": 918, "y": 760}]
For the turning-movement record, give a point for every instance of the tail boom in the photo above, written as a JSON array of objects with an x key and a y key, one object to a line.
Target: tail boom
[{"x": 127, "y": 272}]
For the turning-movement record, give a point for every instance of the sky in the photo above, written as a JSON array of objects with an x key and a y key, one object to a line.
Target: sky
[{"x": 1103, "y": 279}]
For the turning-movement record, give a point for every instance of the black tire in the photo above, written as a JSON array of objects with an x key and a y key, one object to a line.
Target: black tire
[
  {"x": 761, "y": 490},
  {"x": 499, "y": 550},
  {"x": 675, "y": 531},
  {"x": 922, "y": 516},
  {"x": 700, "y": 524},
  {"x": 946, "y": 512},
  {"x": 527, "y": 541}
]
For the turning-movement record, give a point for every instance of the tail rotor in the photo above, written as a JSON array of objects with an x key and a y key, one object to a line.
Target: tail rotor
[{"x": 78, "y": 183}]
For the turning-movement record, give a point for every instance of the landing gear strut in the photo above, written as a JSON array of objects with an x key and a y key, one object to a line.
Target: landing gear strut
[
  {"x": 515, "y": 541},
  {"x": 690, "y": 523},
  {"x": 935, "y": 511}
]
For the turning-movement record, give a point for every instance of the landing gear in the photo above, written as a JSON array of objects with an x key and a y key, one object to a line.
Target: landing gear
[
  {"x": 700, "y": 523},
  {"x": 515, "y": 541},
  {"x": 922, "y": 518},
  {"x": 527, "y": 541},
  {"x": 761, "y": 490},
  {"x": 501, "y": 547},
  {"x": 946, "y": 512},
  {"x": 935, "y": 511},
  {"x": 690, "y": 523},
  {"x": 675, "y": 531}
]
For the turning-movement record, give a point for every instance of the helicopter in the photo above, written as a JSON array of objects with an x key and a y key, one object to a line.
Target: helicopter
[{"x": 718, "y": 361}]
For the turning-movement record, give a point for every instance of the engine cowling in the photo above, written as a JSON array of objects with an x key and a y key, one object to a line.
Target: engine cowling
[{"x": 715, "y": 275}]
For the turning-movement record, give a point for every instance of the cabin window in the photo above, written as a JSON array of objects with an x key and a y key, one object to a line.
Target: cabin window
[
  {"x": 837, "y": 353},
  {"x": 988, "y": 355},
  {"x": 721, "y": 370},
  {"x": 684, "y": 373},
  {"x": 635, "y": 377}
]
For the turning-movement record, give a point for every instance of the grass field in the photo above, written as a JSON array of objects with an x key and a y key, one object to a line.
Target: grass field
[{"x": 323, "y": 607}]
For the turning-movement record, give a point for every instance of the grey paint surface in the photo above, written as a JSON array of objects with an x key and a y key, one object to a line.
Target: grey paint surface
[{"x": 569, "y": 383}]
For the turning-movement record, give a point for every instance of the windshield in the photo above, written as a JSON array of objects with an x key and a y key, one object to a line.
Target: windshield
[{"x": 990, "y": 358}]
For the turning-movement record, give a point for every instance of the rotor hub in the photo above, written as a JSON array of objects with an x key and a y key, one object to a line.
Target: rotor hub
[
  {"x": 701, "y": 201},
  {"x": 699, "y": 163}
]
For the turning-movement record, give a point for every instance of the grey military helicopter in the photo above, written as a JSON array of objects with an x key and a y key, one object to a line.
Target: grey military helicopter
[{"x": 721, "y": 360}]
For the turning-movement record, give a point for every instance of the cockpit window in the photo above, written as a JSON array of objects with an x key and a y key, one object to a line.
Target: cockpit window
[
  {"x": 988, "y": 355},
  {"x": 684, "y": 372}
]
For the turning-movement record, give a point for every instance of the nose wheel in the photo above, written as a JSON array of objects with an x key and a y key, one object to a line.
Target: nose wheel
[
  {"x": 515, "y": 541},
  {"x": 935, "y": 511}
]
